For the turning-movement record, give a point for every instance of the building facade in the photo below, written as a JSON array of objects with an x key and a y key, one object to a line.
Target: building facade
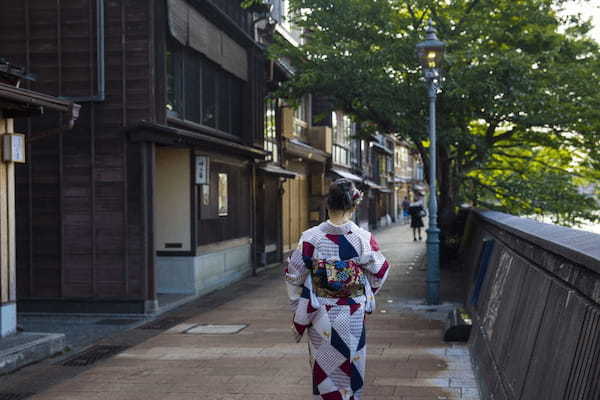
[
  {"x": 153, "y": 193},
  {"x": 183, "y": 173},
  {"x": 17, "y": 103}
]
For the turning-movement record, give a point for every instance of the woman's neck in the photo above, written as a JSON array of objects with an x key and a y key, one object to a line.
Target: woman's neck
[{"x": 339, "y": 218}]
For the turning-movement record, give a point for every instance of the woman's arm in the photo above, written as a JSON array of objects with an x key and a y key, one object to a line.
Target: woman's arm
[
  {"x": 378, "y": 268},
  {"x": 298, "y": 268}
]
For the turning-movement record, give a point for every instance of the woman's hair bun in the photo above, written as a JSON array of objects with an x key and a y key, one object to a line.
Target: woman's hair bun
[{"x": 343, "y": 195}]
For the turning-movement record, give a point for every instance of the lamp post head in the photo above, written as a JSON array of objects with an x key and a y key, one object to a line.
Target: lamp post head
[{"x": 431, "y": 53}]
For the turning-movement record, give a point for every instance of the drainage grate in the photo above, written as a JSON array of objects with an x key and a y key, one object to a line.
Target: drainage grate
[
  {"x": 15, "y": 396},
  {"x": 116, "y": 321},
  {"x": 163, "y": 323},
  {"x": 92, "y": 355}
]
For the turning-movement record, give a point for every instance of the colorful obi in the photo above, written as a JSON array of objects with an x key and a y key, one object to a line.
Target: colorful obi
[{"x": 338, "y": 279}]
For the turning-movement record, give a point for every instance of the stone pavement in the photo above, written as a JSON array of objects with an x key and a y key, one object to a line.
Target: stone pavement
[{"x": 407, "y": 359}]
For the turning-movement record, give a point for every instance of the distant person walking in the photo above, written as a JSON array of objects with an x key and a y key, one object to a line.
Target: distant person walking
[
  {"x": 405, "y": 207},
  {"x": 417, "y": 212},
  {"x": 332, "y": 278}
]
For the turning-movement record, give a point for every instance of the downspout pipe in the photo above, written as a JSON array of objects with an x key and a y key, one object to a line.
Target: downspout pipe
[{"x": 100, "y": 59}]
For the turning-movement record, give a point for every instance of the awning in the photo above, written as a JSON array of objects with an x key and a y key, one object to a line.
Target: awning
[
  {"x": 309, "y": 153},
  {"x": 345, "y": 174},
  {"x": 398, "y": 179},
  {"x": 275, "y": 169},
  {"x": 285, "y": 66},
  {"x": 382, "y": 148},
  {"x": 372, "y": 184},
  {"x": 18, "y": 102},
  {"x": 168, "y": 135},
  {"x": 193, "y": 29}
]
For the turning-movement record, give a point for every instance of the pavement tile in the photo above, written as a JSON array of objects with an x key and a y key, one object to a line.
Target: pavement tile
[{"x": 422, "y": 382}]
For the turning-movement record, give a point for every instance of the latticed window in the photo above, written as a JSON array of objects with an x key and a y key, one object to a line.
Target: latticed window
[
  {"x": 271, "y": 129},
  {"x": 355, "y": 156},
  {"x": 302, "y": 117},
  {"x": 343, "y": 129},
  {"x": 200, "y": 91},
  {"x": 382, "y": 169}
]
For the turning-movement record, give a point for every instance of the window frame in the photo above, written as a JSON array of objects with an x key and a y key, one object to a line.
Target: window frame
[
  {"x": 218, "y": 92},
  {"x": 342, "y": 146}
]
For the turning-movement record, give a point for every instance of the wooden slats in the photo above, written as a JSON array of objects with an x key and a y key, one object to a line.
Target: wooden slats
[
  {"x": 295, "y": 210},
  {"x": 583, "y": 380},
  {"x": 101, "y": 227}
]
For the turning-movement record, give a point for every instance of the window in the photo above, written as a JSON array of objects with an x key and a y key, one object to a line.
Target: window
[
  {"x": 193, "y": 87},
  {"x": 174, "y": 78},
  {"x": 302, "y": 117},
  {"x": 271, "y": 129},
  {"x": 302, "y": 112},
  {"x": 223, "y": 107},
  {"x": 355, "y": 153},
  {"x": 236, "y": 93},
  {"x": 343, "y": 129},
  {"x": 209, "y": 95},
  {"x": 382, "y": 169},
  {"x": 223, "y": 195},
  {"x": 200, "y": 91}
]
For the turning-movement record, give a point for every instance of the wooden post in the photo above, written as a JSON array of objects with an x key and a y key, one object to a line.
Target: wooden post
[{"x": 8, "y": 295}]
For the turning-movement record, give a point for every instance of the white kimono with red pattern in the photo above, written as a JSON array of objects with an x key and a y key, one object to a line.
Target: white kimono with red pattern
[{"x": 336, "y": 329}]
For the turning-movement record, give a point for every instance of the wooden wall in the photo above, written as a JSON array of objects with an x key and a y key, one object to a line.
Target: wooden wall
[
  {"x": 211, "y": 227},
  {"x": 533, "y": 294},
  {"x": 295, "y": 210},
  {"x": 268, "y": 212},
  {"x": 81, "y": 223}
]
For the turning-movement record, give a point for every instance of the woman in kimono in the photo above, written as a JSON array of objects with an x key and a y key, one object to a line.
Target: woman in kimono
[{"x": 332, "y": 278}]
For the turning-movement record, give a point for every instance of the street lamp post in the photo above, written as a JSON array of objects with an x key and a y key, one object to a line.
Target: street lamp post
[{"x": 431, "y": 53}]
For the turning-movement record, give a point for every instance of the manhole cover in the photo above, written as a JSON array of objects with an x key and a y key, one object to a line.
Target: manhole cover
[
  {"x": 92, "y": 355},
  {"x": 116, "y": 321},
  {"x": 214, "y": 329},
  {"x": 15, "y": 396},
  {"x": 163, "y": 323}
]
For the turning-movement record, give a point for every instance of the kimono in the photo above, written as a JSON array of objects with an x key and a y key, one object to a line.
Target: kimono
[{"x": 335, "y": 325}]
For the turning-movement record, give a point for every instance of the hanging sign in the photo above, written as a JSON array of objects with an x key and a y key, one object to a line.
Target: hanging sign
[
  {"x": 13, "y": 147},
  {"x": 202, "y": 170}
]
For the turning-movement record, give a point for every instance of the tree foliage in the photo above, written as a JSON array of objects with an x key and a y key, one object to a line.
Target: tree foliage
[{"x": 519, "y": 110}]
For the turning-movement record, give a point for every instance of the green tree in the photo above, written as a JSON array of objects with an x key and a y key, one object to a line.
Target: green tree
[{"x": 518, "y": 78}]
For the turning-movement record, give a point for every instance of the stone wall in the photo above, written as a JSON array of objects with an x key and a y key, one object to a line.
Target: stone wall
[{"x": 534, "y": 294}]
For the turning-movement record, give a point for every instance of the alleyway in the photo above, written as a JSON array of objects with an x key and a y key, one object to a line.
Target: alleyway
[{"x": 406, "y": 356}]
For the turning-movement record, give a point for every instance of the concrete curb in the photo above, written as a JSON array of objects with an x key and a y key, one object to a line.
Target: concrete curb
[{"x": 29, "y": 348}]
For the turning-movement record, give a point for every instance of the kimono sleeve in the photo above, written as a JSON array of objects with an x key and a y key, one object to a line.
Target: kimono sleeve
[
  {"x": 298, "y": 267},
  {"x": 378, "y": 268}
]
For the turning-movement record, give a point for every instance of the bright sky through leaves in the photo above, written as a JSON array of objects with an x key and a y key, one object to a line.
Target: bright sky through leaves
[{"x": 587, "y": 9}]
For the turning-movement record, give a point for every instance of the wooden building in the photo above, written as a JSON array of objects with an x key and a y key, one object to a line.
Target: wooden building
[
  {"x": 18, "y": 103},
  {"x": 299, "y": 152},
  {"x": 382, "y": 174},
  {"x": 153, "y": 191},
  {"x": 306, "y": 150}
]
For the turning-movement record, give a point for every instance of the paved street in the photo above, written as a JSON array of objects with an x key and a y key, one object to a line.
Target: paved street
[{"x": 406, "y": 356}]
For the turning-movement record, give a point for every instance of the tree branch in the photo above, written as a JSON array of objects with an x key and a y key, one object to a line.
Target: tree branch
[
  {"x": 504, "y": 136},
  {"x": 535, "y": 160},
  {"x": 470, "y": 8}
]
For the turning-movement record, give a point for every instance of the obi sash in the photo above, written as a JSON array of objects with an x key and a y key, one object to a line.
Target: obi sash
[{"x": 337, "y": 279}]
